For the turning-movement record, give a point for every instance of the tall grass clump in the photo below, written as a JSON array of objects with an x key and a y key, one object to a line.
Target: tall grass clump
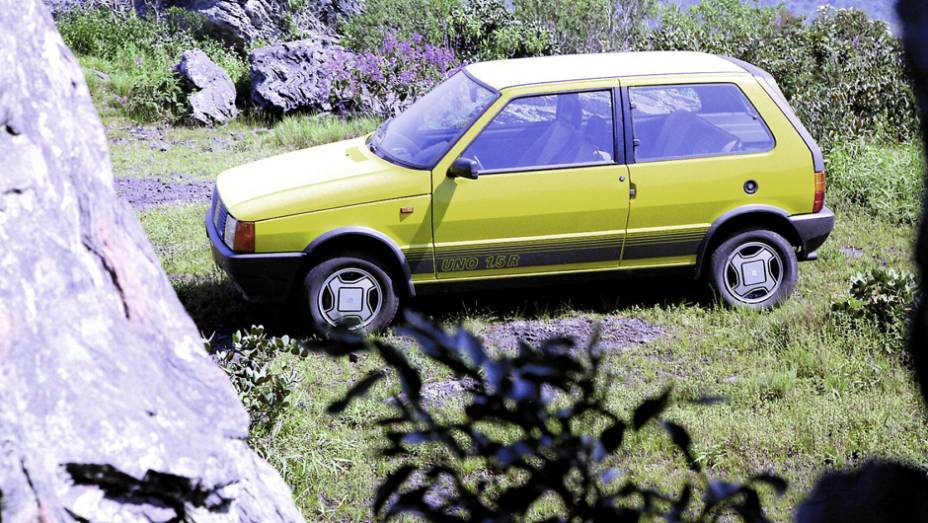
[
  {"x": 301, "y": 131},
  {"x": 139, "y": 54},
  {"x": 883, "y": 180}
]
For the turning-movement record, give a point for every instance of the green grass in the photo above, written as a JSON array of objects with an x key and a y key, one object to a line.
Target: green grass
[{"x": 807, "y": 392}]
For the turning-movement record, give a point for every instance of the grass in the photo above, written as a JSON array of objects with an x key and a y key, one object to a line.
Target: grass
[{"x": 807, "y": 391}]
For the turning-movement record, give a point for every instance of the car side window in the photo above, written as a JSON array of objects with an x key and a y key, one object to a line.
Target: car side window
[
  {"x": 689, "y": 121},
  {"x": 549, "y": 131}
]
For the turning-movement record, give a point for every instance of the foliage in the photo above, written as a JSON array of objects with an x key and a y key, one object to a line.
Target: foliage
[
  {"x": 263, "y": 389},
  {"x": 881, "y": 296},
  {"x": 301, "y": 131},
  {"x": 538, "y": 397},
  {"x": 843, "y": 73},
  {"x": 367, "y": 30},
  {"x": 583, "y": 26},
  {"x": 139, "y": 55},
  {"x": 886, "y": 181},
  {"x": 387, "y": 80},
  {"x": 487, "y": 30}
]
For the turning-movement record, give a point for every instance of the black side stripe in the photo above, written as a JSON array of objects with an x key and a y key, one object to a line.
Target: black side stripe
[{"x": 471, "y": 258}]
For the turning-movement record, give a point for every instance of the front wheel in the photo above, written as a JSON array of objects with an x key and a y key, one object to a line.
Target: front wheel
[
  {"x": 350, "y": 292},
  {"x": 754, "y": 269}
]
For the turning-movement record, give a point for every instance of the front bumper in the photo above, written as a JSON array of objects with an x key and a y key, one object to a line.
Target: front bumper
[
  {"x": 813, "y": 229},
  {"x": 265, "y": 278}
]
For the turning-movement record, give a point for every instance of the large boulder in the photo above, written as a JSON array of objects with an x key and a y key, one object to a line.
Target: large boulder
[
  {"x": 211, "y": 93},
  {"x": 241, "y": 23},
  {"x": 110, "y": 408},
  {"x": 291, "y": 76}
]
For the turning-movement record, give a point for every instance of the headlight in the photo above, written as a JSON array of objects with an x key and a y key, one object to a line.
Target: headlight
[{"x": 228, "y": 235}]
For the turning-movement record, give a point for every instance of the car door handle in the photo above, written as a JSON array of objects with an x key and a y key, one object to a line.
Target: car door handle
[{"x": 632, "y": 191}]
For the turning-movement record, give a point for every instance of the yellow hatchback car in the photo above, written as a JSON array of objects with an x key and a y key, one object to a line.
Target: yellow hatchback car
[{"x": 579, "y": 165}]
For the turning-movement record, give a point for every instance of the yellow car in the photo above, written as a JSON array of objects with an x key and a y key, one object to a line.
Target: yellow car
[{"x": 582, "y": 165}]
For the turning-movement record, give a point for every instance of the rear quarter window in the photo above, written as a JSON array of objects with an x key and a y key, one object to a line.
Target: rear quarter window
[{"x": 674, "y": 122}]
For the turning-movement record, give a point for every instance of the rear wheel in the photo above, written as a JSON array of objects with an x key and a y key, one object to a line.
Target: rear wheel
[
  {"x": 754, "y": 269},
  {"x": 352, "y": 292}
]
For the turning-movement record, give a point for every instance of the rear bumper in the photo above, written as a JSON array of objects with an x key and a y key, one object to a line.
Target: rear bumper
[
  {"x": 265, "y": 278},
  {"x": 813, "y": 229}
]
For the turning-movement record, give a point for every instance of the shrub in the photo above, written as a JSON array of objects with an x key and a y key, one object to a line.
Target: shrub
[
  {"x": 843, "y": 73},
  {"x": 386, "y": 81},
  {"x": 884, "y": 297},
  {"x": 582, "y": 26},
  {"x": 488, "y": 30},
  {"x": 264, "y": 390},
  {"x": 140, "y": 55},
  {"x": 522, "y": 421},
  {"x": 367, "y": 30},
  {"x": 883, "y": 180}
]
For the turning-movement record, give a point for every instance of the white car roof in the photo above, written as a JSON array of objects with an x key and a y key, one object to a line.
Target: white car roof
[{"x": 501, "y": 74}]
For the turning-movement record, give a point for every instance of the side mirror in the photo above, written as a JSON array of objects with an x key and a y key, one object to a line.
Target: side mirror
[{"x": 464, "y": 168}]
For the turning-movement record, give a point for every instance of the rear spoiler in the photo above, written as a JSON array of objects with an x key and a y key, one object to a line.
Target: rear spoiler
[{"x": 770, "y": 86}]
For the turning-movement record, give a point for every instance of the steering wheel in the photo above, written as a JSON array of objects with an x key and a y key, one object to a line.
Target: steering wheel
[{"x": 478, "y": 162}]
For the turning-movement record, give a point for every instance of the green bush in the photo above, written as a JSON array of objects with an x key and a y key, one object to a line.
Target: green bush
[
  {"x": 884, "y": 297},
  {"x": 488, "y": 30},
  {"x": 843, "y": 73},
  {"x": 263, "y": 389},
  {"x": 583, "y": 26},
  {"x": 367, "y": 30},
  {"x": 885, "y": 181},
  {"x": 139, "y": 55}
]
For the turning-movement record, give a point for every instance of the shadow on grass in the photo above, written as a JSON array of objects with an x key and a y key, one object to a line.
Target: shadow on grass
[
  {"x": 612, "y": 296},
  {"x": 218, "y": 310}
]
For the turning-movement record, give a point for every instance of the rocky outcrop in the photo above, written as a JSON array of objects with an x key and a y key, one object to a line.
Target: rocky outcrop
[
  {"x": 211, "y": 93},
  {"x": 240, "y": 23},
  {"x": 289, "y": 77},
  {"x": 110, "y": 409}
]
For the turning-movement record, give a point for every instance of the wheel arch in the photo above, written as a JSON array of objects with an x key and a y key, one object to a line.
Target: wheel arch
[
  {"x": 366, "y": 240},
  {"x": 757, "y": 216}
]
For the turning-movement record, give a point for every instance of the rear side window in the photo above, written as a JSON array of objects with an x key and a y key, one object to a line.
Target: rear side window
[
  {"x": 558, "y": 130},
  {"x": 689, "y": 121}
]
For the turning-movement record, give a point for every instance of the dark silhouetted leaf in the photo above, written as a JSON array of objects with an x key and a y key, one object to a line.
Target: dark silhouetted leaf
[
  {"x": 649, "y": 409},
  {"x": 390, "y": 484},
  {"x": 359, "y": 389},
  {"x": 612, "y": 436}
]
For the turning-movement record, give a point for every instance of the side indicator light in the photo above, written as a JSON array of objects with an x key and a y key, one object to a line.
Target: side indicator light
[{"x": 407, "y": 210}]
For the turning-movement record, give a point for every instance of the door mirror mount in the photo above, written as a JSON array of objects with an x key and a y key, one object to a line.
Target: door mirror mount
[{"x": 464, "y": 168}]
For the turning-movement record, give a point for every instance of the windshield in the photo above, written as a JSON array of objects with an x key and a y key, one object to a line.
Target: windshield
[{"x": 423, "y": 133}]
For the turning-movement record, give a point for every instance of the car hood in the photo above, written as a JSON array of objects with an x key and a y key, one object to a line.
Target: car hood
[{"x": 323, "y": 177}]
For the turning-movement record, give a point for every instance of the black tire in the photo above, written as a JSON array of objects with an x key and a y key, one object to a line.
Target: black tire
[
  {"x": 744, "y": 287},
  {"x": 345, "y": 270}
]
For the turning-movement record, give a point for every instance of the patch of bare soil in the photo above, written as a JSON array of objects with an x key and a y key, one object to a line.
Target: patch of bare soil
[
  {"x": 145, "y": 193},
  {"x": 615, "y": 333}
]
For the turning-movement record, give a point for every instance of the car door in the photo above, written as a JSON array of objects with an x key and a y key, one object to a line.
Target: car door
[
  {"x": 698, "y": 150},
  {"x": 552, "y": 190}
]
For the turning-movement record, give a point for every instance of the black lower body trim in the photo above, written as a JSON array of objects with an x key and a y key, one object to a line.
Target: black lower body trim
[
  {"x": 264, "y": 278},
  {"x": 813, "y": 229}
]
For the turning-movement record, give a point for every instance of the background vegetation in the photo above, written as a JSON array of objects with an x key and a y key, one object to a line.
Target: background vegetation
[{"x": 818, "y": 384}]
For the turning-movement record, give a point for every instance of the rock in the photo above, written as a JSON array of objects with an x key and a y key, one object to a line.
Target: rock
[
  {"x": 110, "y": 408},
  {"x": 212, "y": 93},
  {"x": 290, "y": 76}
]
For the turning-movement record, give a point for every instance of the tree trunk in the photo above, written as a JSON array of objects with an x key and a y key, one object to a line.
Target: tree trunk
[{"x": 110, "y": 409}]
